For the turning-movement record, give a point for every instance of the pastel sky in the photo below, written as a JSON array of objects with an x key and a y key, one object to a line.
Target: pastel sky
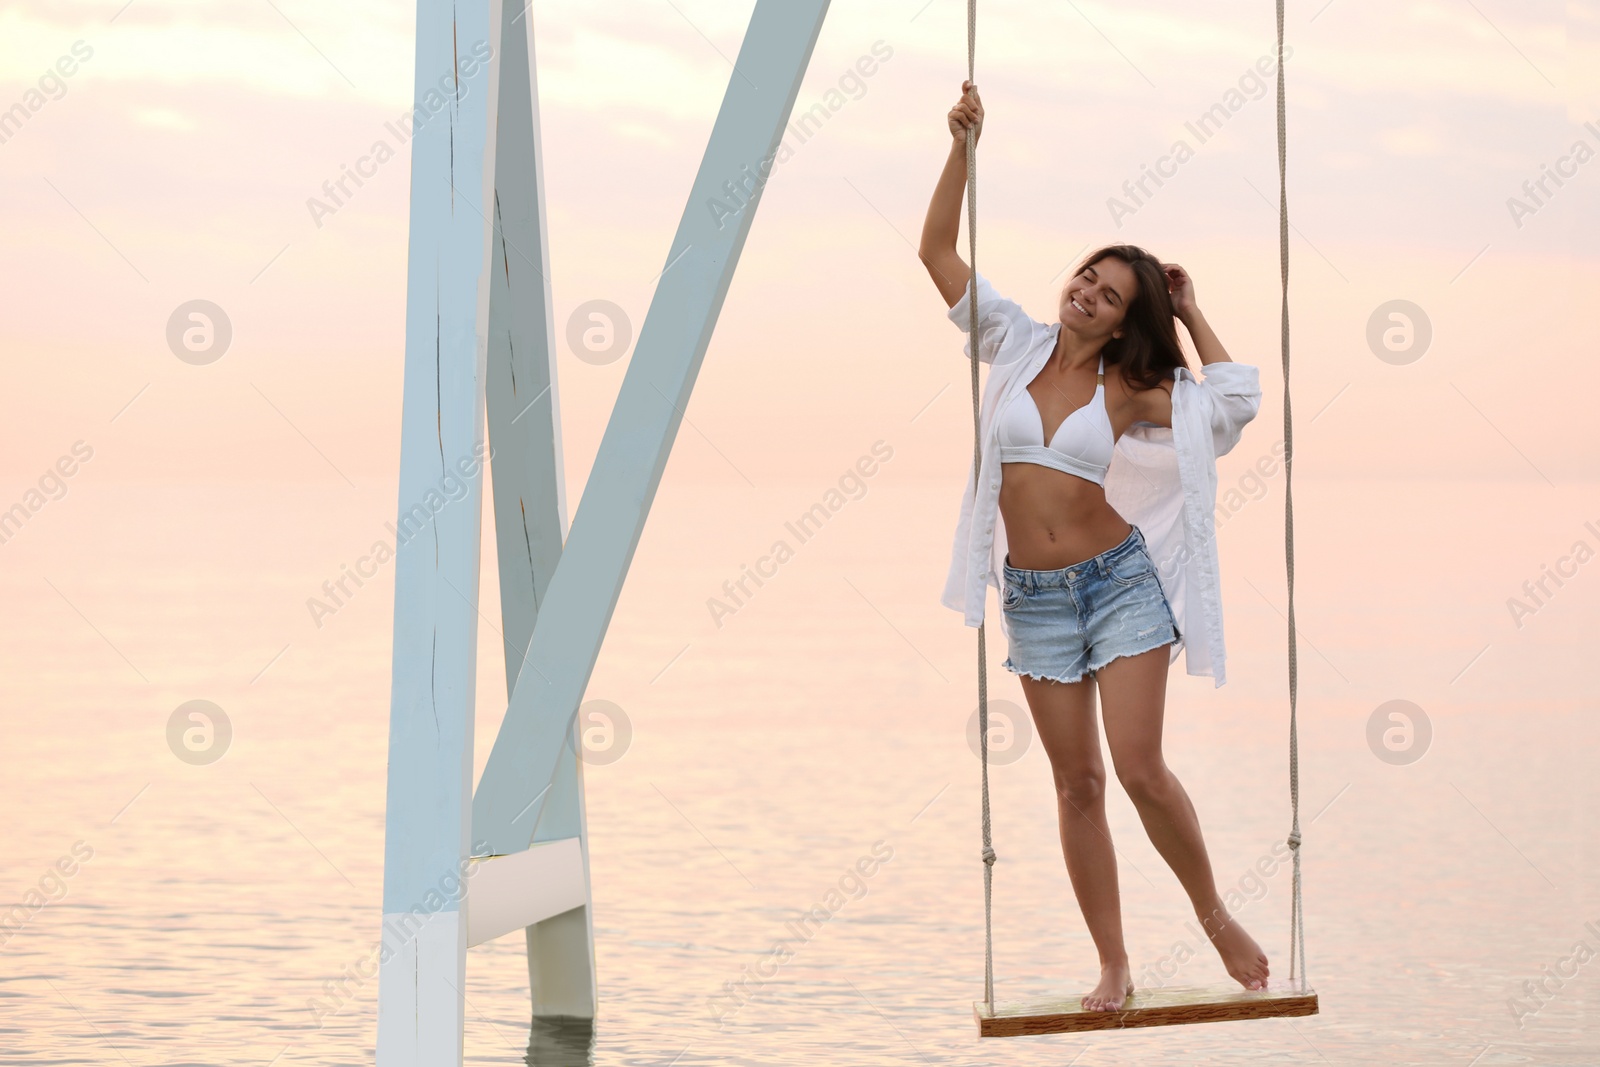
[{"x": 177, "y": 162}]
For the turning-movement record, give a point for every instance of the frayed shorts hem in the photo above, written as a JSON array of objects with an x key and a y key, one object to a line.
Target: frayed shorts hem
[
  {"x": 1042, "y": 677},
  {"x": 1094, "y": 668}
]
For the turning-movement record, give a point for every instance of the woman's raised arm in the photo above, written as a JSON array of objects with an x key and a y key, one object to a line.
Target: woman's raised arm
[{"x": 943, "y": 224}]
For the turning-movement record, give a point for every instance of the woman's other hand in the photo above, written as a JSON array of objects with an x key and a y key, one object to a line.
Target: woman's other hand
[{"x": 1180, "y": 288}]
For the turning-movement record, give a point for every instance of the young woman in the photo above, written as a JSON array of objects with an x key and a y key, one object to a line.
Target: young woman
[{"x": 1094, "y": 434}]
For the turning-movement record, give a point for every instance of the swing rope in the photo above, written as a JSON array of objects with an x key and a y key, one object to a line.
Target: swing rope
[
  {"x": 1297, "y": 933},
  {"x": 977, "y": 457},
  {"x": 1297, "y": 946}
]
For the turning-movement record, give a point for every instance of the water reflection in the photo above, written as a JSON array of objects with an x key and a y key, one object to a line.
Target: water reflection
[{"x": 561, "y": 1041}]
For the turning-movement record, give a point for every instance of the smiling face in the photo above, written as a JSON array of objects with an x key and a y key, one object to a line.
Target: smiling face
[{"x": 1094, "y": 303}]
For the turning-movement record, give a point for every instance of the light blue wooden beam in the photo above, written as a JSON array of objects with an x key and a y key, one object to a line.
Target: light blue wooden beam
[
  {"x": 523, "y": 399},
  {"x": 583, "y": 592},
  {"x": 530, "y": 505},
  {"x": 427, "y": 821},
  {"x": 530, "y": 493}
]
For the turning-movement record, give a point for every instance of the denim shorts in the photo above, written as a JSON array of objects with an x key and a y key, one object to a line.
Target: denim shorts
[{"x": 1070, "y": 622}]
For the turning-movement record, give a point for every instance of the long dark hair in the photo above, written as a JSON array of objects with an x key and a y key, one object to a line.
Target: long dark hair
[{"x": 1148, "y": 350}]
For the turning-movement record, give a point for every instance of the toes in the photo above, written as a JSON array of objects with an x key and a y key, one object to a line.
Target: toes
[{"x": 1098, "y": 1003}]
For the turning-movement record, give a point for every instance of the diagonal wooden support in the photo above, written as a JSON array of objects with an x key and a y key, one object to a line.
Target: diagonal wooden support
[
  {"x": 583, "y": 590},
  {"x": 426, "y": 847},
  {"x": 530, "y": 496},
  {"x": 524, "y": 416},
  {"x": 531, "y": 517}
]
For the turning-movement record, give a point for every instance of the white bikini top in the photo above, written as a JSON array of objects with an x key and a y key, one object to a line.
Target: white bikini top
[{"x": 1083, "y": 443}]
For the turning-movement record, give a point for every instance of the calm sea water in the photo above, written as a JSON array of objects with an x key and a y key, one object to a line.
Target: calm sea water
[{"x": 209, "y": 906}]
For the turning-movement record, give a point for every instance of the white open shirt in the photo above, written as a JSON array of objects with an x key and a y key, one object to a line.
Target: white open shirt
[{"x": 1162, "y": 480}]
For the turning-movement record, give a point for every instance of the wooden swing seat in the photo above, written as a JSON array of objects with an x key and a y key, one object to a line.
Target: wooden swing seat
[{"x": 1145, "y": 1007}]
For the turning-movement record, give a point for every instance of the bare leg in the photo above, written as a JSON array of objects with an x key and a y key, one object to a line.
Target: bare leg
[
  {"x": 1064, "y": 715},
  {"x": 1133, "y": 689}
]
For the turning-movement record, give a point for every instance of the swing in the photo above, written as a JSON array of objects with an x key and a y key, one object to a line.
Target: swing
[{"x": 1164, "y": 1006}]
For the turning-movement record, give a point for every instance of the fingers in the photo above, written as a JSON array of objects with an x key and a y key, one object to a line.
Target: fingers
[{"x": 968, "y": 111}]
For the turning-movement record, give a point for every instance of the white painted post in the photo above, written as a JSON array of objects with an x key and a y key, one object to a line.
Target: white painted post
[
  {"x": 428, "y": 819},
  {"x": 529, "y": 485}
]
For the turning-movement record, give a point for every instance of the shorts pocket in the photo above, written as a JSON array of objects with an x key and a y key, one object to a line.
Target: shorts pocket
[
  {"x": 1133, "y": 568},
  {"x": 1010, "y": 595}
]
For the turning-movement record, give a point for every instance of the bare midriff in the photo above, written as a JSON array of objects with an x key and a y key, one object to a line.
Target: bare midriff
[{"x": 1055, "y": 519}]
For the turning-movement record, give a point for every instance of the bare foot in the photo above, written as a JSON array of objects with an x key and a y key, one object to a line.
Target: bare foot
[
  {"x": 1115, "y": 986},
  {"x": 1240, "y": 954}
]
